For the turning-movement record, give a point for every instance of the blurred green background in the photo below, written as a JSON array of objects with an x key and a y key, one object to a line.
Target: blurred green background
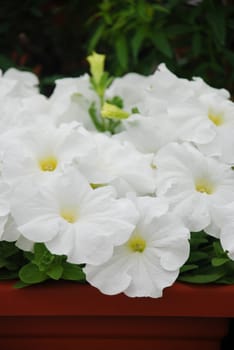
[{"x": 53, "y": 38}]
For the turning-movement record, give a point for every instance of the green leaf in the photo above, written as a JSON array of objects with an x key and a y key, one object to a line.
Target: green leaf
[
  {"x": 55, "y": 272},
  {"x": 6, "y": 62},
  {"x": 8, "y": 249},
  {"x": 196, "y": 45},
  {"x": 95, "y": 38},
  {"x": 205, "y": 274},
  {"x": 218, "y": 249},
  {"x": 95, "y": 119},
  {"x": 197, "y": 239},
  {"x": 42, "y": 257},
  {"x": 189, "y": 267},
  {"x": 161, "y": 41},
  {"x": 216, "y": 20},
  {"x": 202, "y": 278},
  {"x": 29, "y": 256},
  {"x": 137, "y": 41},
  {"x": 178, "y": 29},
  {"x": 121, "y": 49},
  {"x": 116, "y": 101},
  {"x": 219, "y": 261},
  {"x": 8, "y": 275},
  {"x": 160, "y": 8},
  {"x": 73, "y": 272},
  {"x": 20, "y": 284},
  {"x": 135, "y": 110},
  {"x": 11, "y": 258},
  {"x": 197, "y": 256},
  {"x": 226, "y": 280},
  {"x": 31, "y": 274}
]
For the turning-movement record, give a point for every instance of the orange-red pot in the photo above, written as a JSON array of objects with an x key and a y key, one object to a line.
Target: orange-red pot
[{"x": 66, "y": 316}]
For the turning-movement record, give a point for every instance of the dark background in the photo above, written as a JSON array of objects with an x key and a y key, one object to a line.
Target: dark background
[{"x": 53, "y": 37}]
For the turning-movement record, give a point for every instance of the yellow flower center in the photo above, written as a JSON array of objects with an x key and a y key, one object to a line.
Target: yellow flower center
[
  {"x": 48, "y": 163},
  {"x": 137, "y": 244},
  {"x": 69, "y": 215},
  {"x": 204, "y": 186},
  {"x": 217, "y": 119}
]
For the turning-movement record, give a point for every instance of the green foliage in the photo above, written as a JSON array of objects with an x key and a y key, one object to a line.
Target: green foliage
[
  {"x": 35, "y": 267},
  {"x": 208, "y": 262},
  {"x": 11, "y": 259},
  {"x": 137, "y": 35},
  {"x": 43, "y": 265}
]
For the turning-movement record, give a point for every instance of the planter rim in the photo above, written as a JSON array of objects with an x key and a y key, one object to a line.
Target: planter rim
[{"x": 73, "y": 299}]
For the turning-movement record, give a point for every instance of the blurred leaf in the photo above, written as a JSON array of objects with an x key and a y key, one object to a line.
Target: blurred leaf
[
  {"x": 197, "y": 256},
  {"x": 95, "y": 38},
  {"x": 196, "y": 45},
  {"x": 216, "y": 21},
  {"x": 137, "y": 41},
  {"x": 161, "y": 42},
  {"x": 122, "y": 51},
  {"x": 5, "y": 62},
  {"x": 160, "y": 8},
  {"x": 189, "y": 267}
]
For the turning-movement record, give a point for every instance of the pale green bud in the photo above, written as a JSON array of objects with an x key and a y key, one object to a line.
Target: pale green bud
[
  {"x": 113, "y": 112},
  {"x": 96, "y": 62}
]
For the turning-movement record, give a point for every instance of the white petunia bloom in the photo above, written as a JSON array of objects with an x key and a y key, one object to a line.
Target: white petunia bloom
[
  {"x": 71, "y": 100},
  {"x": 16, "y": 83},
  {"x": 118, "y": 164},
  {"x": 220, "y": 113},
  {"x": 174, "y": 109},
  {"x": 73, "y": 219},
  {"x": 41, "y": 152},
  {"x": 193, "y": 184},
  {"x": 125, "y": 87},
  {"x": 149, "y": 133},
  {"x": 18, "y": 113},
  {"x": 224, "y": 214},
  {"x": 8, "y": 230},
  {"x": 150, "y": 260}
]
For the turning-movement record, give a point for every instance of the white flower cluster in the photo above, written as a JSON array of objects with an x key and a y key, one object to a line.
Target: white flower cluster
[{"x": 123, "y": 205}]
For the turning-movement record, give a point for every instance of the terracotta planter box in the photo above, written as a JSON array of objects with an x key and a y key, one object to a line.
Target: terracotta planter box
[{"x": 72, "y": 316}]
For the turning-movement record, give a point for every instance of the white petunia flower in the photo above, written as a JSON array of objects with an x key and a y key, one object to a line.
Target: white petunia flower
[
  {"x": 224, "y": 215},
  {"x": 150, "y": 260},
  {"x": 41, "y": 152},
  {"x": 8, "y": 230},
  {"x": 118, "y": 164},
  {"x": 193, "y": 184},
  {"x": 148, "y": 134},
  {"x": 71, "y": 101},
  {"x": 18, "y": 113},
  {"x": 73, "y": 219},
  {"x": 172, "y": 110},
  {"x": 131, "y": 88},
  {"x": 16, "y": 83},
  {"x": 220, "y": 113}
]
